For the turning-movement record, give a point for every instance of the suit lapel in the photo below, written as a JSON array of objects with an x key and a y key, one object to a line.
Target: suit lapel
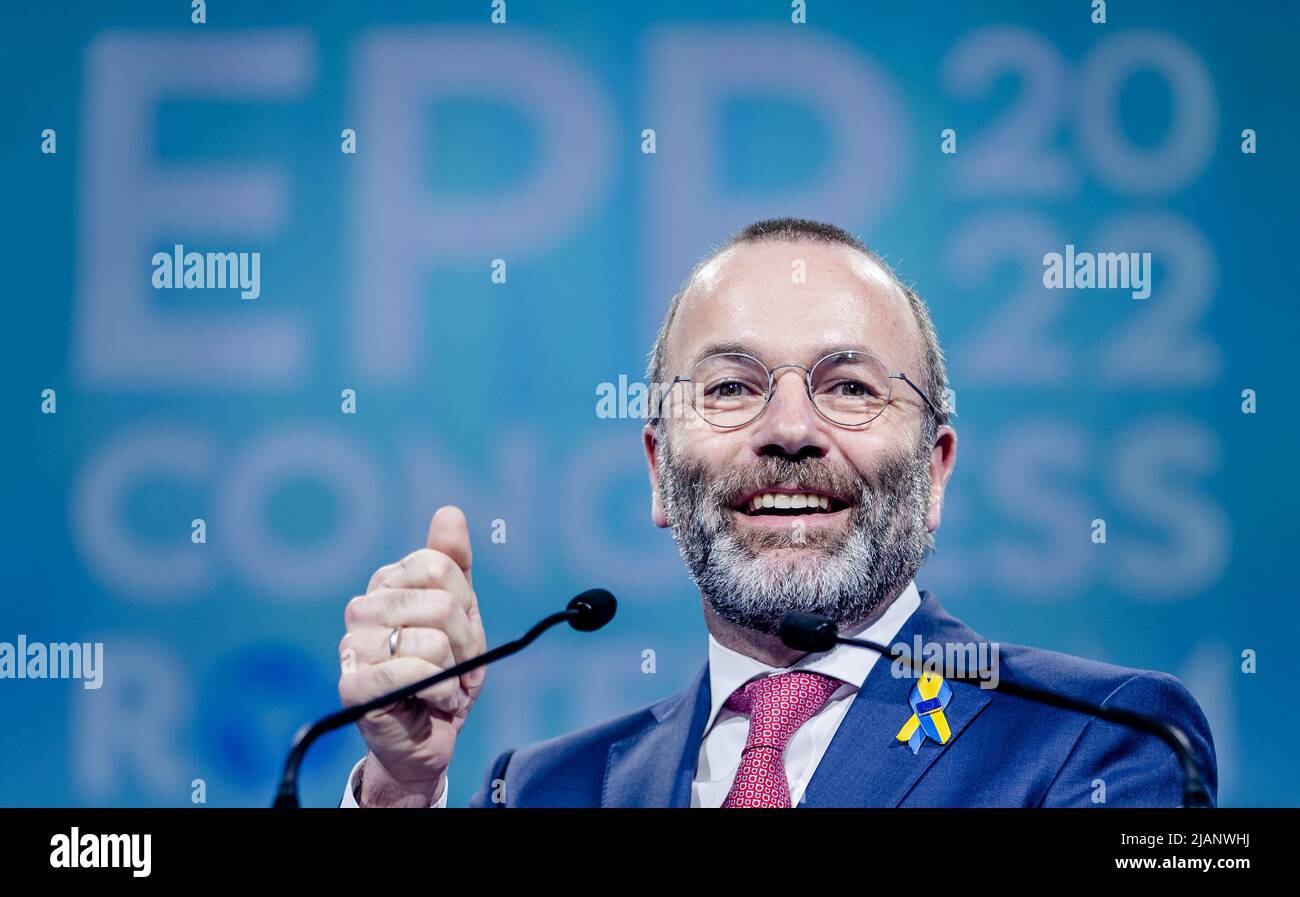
[
  {"x": 865, "y": 765},
  {"x": 655, "y": 767}
]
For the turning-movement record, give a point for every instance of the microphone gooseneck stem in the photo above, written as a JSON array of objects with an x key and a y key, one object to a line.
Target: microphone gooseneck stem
[
  {"x": 1195, "y": 794},
  {"x": 287, "y": 796}
]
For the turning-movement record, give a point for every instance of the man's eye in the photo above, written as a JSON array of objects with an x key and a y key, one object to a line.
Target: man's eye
[
  {"x": 852, "y": 389},
  {"x": 730, "y": 389}
]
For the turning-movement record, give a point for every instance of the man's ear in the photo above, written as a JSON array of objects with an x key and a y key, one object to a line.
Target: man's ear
[
  {"x": 651, "y": 439},
  {"x": 943, "y": 457}
]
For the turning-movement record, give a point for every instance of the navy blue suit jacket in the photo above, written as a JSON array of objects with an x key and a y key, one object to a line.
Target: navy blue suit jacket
[{"x": 1004, "y": 750}]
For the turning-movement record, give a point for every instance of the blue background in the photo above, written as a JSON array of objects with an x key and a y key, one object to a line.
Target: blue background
[{"x": 523, "y": 142}]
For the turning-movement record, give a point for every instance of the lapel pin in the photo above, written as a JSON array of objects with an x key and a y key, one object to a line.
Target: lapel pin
[{"x": 929, "y": 697}]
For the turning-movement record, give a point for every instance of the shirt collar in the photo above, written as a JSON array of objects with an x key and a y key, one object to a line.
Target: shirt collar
[{"x": 728, "y": 669}]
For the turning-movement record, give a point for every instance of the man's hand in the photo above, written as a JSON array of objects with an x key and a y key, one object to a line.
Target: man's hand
[{"x": 429, "y": 594}]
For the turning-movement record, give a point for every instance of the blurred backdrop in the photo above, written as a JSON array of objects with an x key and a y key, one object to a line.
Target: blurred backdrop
[{"x": 525, "y": 142}]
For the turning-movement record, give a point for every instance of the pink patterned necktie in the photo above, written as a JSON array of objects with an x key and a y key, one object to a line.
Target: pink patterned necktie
[{"x": 777, "y": 706}]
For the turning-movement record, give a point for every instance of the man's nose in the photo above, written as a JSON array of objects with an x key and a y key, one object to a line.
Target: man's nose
[{"x": 790, "y": 425}]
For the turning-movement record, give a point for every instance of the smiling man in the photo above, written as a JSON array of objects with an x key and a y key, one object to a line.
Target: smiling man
[{"x": 799, "y": 453}]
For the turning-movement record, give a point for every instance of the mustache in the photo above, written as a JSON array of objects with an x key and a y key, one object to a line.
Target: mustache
[{"x": 731, "y": 486}]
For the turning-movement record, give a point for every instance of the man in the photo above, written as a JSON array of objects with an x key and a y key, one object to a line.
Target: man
[{"x": 800, "y": 451}]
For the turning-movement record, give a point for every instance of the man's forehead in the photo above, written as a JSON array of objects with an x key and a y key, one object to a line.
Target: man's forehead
[{"x": 784, "y": 300}]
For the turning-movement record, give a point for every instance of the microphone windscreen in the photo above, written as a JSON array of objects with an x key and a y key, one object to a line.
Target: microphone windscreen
[
  {"x": 808, "y": 632},
  {"x": 595, "y": 608}
]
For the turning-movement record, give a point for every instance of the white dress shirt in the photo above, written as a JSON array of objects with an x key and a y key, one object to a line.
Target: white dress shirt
[{"x": 725, "y": 731}]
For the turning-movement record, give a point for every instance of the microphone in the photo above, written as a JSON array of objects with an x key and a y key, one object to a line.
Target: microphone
[
  {"x": 594, "y": 608},
  {"x": 815, "y": 633},
  {"x": 809, "y": 632},
  {"x": 586, "y": 612}
]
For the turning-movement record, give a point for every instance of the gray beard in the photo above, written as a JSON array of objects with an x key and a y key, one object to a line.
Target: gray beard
[{"x": 754, "y": 579}]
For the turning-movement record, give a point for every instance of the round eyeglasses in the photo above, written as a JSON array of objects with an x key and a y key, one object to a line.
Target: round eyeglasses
[{"x": 850, "y": 388}]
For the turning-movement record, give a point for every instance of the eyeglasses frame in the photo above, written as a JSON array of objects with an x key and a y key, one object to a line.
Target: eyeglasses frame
[{"x": 808, "y": 379}]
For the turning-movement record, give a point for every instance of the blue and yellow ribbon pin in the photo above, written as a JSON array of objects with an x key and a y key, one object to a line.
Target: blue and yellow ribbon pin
[{"x": 929, "y": 698}]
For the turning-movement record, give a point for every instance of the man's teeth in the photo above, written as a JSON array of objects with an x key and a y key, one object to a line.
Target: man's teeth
[{"x": 788, "y": 500}]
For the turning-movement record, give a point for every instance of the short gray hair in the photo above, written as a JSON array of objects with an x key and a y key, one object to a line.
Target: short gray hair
[{"x": 935, "y": 381}]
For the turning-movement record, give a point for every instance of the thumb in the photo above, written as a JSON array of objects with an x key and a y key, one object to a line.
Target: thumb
[{"x": 449, "y": 533}]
